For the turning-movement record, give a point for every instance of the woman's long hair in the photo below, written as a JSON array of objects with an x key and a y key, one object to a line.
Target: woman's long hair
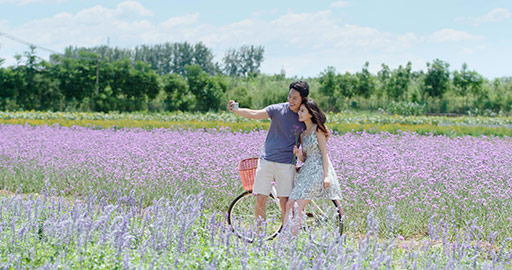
[{"x": 318, "y": 116}]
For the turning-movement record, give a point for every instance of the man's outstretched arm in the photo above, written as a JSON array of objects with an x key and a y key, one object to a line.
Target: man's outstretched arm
[{"x": 248, "y": 113}]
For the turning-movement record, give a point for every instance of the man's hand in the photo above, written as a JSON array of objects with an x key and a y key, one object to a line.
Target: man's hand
[
  {"x": 230, "y": 105},
  {"x": 327, "y": 182}
]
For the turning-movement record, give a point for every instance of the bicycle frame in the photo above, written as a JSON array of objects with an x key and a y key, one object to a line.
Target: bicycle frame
[{"x": 318, "y": 216}]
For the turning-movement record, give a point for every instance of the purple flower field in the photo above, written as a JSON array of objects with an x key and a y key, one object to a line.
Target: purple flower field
[{"x": 465, "y": 180}]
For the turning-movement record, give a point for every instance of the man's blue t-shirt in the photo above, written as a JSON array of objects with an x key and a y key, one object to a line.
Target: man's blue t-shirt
[{"x": 284, "y": 133}]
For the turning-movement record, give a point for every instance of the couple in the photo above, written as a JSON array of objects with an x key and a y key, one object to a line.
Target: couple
[{"x": 277, "y": 161}]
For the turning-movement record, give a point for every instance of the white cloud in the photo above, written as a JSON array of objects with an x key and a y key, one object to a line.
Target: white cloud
[
  {"x": 259, "y": 13},
  {"x": 471, "y": 51},
  {"x": 128, "y": 8},
  {"x": 321, "y": 32},
  {"x": 451, "y": 35},
  {"x": 304, "y": 43},
  {"x": 339, "y": 4},
  {"x": 495, "y": 15},
  {"x": 181, "y": 21}
]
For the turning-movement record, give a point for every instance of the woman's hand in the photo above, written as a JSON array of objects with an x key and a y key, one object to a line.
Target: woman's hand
[
  {"x": 297, "y": 152},
  {"x": 327, "y": 182}
]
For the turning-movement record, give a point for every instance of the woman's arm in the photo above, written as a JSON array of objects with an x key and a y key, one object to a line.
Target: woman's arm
[{"x": 322, "y": 143}]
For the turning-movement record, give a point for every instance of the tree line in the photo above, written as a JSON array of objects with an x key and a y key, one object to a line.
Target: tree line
[
  {"x": 460, "y": 91},
  {"x": 185, "y": 77}
]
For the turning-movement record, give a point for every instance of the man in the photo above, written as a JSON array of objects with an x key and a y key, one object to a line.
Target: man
[{"x": 276, "y": 162}]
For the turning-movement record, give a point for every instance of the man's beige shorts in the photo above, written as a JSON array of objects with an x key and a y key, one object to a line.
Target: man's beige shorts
[{"x": 268, "y": 173}]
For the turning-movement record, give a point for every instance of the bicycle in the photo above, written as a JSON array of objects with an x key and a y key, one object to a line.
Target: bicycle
[{"x": 321, "y": 217}]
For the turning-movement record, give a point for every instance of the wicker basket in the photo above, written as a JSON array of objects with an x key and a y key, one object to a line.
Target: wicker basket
[{"x": 247, "y": 169}]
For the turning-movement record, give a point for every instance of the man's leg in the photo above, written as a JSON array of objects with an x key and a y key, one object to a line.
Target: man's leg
[
  {"x": 282, "y": 202},
  {"x": 285, "y": 175},
  {"x": 262, "y": 187},
  {"x": 259, "y": 210}
]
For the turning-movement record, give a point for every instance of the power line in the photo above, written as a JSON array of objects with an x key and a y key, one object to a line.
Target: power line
[
  {"x": 97, "y": 60},
  {"x": 11, "y": 37}
]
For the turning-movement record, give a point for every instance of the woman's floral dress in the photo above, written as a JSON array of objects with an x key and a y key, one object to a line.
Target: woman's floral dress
[{"x": 309, "y": 184}]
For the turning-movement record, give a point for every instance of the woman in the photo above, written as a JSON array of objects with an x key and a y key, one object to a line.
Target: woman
[{"x": 317, "y": 178}]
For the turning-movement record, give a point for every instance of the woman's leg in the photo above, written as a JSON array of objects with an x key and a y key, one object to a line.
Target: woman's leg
[
  {"x": 299, "y": 215},
  {"x": 289, "y": 211},
  {"x": 340, "y": 209}
]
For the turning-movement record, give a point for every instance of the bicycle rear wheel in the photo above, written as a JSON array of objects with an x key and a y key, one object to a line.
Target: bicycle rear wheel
[
  {"x": 323, "y": 220},
  {"x": 242, "y": 222}
]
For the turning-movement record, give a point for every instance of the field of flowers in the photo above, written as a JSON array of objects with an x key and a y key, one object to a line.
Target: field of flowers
[
  {"x": 345, "y": 117},
  {"x": 155, "y": 198},
  {"x": 341, "y": 122},
  {"x": 44, "y": 232},
  {"x": 48, "y": 233}
]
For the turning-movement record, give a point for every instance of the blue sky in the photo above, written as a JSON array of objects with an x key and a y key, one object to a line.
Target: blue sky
[{"x": 301, "y": 37}]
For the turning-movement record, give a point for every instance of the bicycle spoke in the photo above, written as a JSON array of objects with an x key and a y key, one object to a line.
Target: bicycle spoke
[
  {"x": 242, "y": 220},
  {"x": 321, "y": 220}
]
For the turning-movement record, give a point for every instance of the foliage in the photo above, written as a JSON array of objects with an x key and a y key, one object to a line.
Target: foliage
[
  {"x": 437, "y": 78},
  {"x": 395, "y": 83},
  {"x": 208, "y": 90},
  {"x": 163, "y": 58},
  {"x": 365, "y": 82},
  {"x": 113, "y": 79},
  {"x": 244, "y": 61},
  {"x": 114, "y": 231},
  {"x": 179, "y": 96},
  {"x": 405, "y": 108},
  {"x": 329, "y": 87}
]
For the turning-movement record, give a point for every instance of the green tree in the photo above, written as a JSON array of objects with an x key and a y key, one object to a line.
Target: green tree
[
  {"x": 347, "y": 85},
  {"x": 243, "y": 61},
  {"x": 179, "y": 96},
  {"x": 10, "y": 80},
  {"x": 28, "y": 95},
  {"x": 183, "y": 55},
  {"x": 437, "y": 78},
  {"x": 208, "y": 91},
  {"x": 399, "y": 81},
  {"x": 467, "y": 81},
  {"x": 51, "y": 96},
  {"x": 203, "y": 57},
  {"x": 163, "y": 58},
  {"x": 384, "y": 77},
  {"x": 365, "y": 82},
  {"x": 133, "y": 84},
  {"x": 329, "y": 87},
  {"x": 76, "y": 76}
]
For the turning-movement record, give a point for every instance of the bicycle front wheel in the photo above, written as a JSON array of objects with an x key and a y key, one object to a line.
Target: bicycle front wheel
[{"x": 242, "y": 220}]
